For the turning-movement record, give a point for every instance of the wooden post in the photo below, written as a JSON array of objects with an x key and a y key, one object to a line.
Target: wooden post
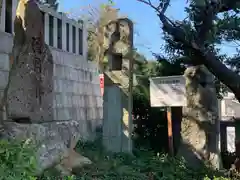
[{"x": 170, "y": 132}]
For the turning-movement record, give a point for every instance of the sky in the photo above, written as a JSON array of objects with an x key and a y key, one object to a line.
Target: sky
[{"x": 147, "y": 27}]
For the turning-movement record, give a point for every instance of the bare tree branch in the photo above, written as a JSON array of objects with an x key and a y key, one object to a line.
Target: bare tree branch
[{"x": 160, "y": 8}]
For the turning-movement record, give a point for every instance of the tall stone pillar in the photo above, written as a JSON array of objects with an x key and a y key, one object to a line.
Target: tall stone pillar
[{"x": 117, "y": 105}]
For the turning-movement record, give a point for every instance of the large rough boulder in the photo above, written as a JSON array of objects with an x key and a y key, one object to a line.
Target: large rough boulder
[
  {"x": 200, "y": 124},
  {"x": 55, "y": 143},
  {"x": 28, "y": 96}
]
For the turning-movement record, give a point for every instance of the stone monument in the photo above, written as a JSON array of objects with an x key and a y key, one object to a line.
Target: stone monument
[
  {"x": 118, "y": 83},
  {"x": 28, "y": 97},
  {"x": 29, "y": 92}
]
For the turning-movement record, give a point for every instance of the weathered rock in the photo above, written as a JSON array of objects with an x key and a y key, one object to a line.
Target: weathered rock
[
  {"x": 200, "y": 124},
  {"x": 73, "y": 160},
  {"x": 55, "y": 143},
  {"x": 29, "y": 90}
]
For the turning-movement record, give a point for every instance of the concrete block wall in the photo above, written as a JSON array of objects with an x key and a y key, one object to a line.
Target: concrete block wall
[
  {"x": 77, "y": 92},
  {"x": 6, "y": 41},
  {"x": 4, "y": 68}
]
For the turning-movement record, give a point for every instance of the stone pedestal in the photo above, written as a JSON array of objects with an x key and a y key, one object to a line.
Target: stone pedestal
[{"x": 115, "y": 124}]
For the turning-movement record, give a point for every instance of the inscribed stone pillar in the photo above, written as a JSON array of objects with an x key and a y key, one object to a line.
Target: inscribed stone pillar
[{"x": 28, "y": 94}]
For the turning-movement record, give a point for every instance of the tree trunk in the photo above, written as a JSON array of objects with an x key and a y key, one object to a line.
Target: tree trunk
[{"x": 200, "y": 126}]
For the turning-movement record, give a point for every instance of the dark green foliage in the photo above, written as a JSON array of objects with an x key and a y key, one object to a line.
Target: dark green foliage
[
  {"x": 224, "y": 30},
  {"x": 172, "y": 66},
  {"x": 18, "y": 163},
  {"x": 142, "y": 165},
  {"x": 17, "y": 160},
  {"x": 150, "y": 123},
  {"x": 208, "y": 33},
  {"x": 228, "y": 159},
  {"x": 227, "y": 27}
]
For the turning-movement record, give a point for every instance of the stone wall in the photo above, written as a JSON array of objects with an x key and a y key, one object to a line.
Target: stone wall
[
  {"x": 4, "y": 67},
  {"x": 76, "y": 87},
  {"x": 6, "y": 41},
  {"x": 77, "y": 91}
]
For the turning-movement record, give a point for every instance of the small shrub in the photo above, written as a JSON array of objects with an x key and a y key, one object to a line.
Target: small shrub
[
  {"x": 17, "y": 160},
  {"x": 18, "y": 163}
]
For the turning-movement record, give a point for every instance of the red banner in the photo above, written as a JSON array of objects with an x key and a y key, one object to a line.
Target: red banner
[
  {"x": 101, "y": 82},
  {"x": 101, "y": 77}
]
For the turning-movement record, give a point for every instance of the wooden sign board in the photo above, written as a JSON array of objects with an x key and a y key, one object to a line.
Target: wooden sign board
[{"x": 168, "y": 91}]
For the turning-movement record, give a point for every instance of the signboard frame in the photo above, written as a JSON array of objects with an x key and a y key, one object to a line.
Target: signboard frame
[
  {"x": 175, "y": 85},
  {"x": 154, "y": 89}
]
